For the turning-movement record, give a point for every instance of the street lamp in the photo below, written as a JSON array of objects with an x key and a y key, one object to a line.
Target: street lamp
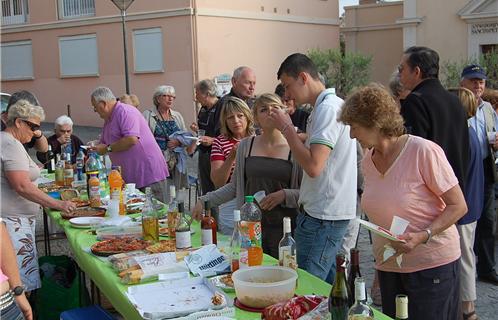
[{"x": 123, "y": 5}]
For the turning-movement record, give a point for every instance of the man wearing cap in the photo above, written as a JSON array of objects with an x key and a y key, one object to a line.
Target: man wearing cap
[
  {"x": 484, "y": 123},
  {"x": 430, "y": 111}
]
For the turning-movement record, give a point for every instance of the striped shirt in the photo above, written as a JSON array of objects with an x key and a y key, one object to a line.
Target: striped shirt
[{"x": 221, "y": 148}]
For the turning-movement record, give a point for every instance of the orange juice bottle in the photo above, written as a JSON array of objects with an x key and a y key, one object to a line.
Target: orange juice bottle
[
  {"x": 94, "y": 191},
  {"x": 116, "y": 188},
  {"x": 251, "y": 250}
]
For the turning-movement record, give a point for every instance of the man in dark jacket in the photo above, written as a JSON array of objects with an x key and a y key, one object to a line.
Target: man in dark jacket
[{"x": 430, "y": 111}]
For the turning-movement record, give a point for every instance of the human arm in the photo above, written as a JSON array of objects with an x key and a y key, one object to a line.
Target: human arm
[
  {"x": 122, "y": 144},
  {"x": 41, "y": 142},
  {"x": 19, "y": 181},
  {"x": 221, "y": 166},
  {"x": 215, "y": 198},
  {"x": 9, "y": 268}
]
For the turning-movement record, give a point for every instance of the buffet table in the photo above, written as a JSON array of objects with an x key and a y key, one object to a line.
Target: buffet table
[{"x": 108, "y": 282}]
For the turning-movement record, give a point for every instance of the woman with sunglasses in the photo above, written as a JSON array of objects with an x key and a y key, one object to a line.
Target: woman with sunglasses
[{"x": 20, "y": 197}]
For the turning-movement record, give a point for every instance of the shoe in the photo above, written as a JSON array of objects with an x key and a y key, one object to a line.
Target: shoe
[{"x": 491, "y": 277}]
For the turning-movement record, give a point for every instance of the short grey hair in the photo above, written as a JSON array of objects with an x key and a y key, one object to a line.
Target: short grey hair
[
  {"x": 161, "y": 90},
  {"x": 238, "y": 72},
  {"x": 207, "y": 87},
  {"x": 63, "y": 120},
  {"x": 395, "y": 85},
  {"x": 24, "y": 110},
  {"x": 102, "y": 94}
]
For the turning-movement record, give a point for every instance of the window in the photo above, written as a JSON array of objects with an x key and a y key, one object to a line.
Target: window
[
  {"x": 17, "y": 60},
  {"x": 14, "y": 11},
  {"x": 69, "y": 9},
  {"x": 78, "y": 56},
  {"x": 148, "y": 49}
]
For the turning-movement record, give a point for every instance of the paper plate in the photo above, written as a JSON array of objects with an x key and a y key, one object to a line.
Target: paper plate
[
  {"x": 216, "y": 281},
  {"x": 379, "y": 230},
  {"x": 85, "y": 222}
]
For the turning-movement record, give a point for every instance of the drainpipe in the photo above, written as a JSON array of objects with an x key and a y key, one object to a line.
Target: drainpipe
[{"x": 195, "y": 52}]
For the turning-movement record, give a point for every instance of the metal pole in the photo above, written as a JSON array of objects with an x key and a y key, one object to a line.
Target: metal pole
[{"x": 127, "y": 80}]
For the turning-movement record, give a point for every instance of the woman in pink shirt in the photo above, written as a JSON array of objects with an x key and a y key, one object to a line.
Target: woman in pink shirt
[{"x": 409, "y": 177}]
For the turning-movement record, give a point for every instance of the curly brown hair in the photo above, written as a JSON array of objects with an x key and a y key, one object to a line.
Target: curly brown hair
[
  {"x": 373, "y": 106},
  {"x": 491, "y": 96}
]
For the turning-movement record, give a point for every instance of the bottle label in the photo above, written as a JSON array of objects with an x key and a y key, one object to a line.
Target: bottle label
[
  {"x": 243, "y": 263},
  {"x": 116, "y": 194},
  {"x": 251, "y": 243},
  {"x": 183, "y": 240},
  {"x": 206, "y": 236},
  {"x": 359, "y": 291},
  {"x": 286, "y": 257}
]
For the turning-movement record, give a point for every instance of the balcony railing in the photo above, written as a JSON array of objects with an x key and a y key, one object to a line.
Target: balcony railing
[
  {"x": 14, "y": 12},
  {"x": 69, "y": 9}
]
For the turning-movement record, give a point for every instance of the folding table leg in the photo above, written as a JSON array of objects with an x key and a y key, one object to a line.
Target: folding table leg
[{"x": 46, "y": 235}]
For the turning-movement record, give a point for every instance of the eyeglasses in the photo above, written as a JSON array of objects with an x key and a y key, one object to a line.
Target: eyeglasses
[
  {"x": 169, "y": 96},
  {"x": 33, "y": 126}
]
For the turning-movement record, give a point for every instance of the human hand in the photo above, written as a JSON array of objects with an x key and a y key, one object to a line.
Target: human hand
[
  {"x": 66, "y": 206},
  {"x": 233, "y": 152},
  {"x": 272, "y": 200},
  {"x": 197, "y": 211},
  {"x": 63, "y": 139},
  {"x": 194, "y": 127},
  {"x": 101, "y": 148},
  {"x": 280, "y": 119},
  {"x": 413, "y": 239},
  {"x": 173, "y": 143},
  {"x": 37, "y": 134},
  {"x": 25, "y": 307},
  {"x": 206, "y": 140}
]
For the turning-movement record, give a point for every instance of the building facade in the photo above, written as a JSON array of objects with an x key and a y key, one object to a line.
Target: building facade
[
  {"x": 456, "y": 29},
  {"x": 62, "y": 49}
]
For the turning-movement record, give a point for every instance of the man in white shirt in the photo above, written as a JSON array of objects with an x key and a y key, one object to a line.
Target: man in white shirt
[{"x": 328, "y": 158}]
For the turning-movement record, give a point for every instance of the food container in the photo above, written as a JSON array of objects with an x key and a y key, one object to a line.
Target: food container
[{"x": 262, "y": 286}]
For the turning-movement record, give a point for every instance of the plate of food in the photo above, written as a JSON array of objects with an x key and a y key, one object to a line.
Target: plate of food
[
  {"x": 84, "y": 212},
  {"x": 224, "y": 282},
  {"x": 49, "y": 186},
  {"x": 85, "y": 222},
  {"x": 383, "y": 232},
  {"x": 162, "y": 246},
  {"x": 109, "y": 247}
]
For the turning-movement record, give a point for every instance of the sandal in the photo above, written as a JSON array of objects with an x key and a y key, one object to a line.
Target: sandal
[{"x": 470, "y": 316}]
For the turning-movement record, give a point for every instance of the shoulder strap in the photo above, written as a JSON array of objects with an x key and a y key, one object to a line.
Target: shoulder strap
[
  {"x": 250, "y": 147},
  {"x": 289, "y": 156}
]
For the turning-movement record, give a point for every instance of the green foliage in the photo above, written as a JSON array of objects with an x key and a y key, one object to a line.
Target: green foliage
[
  {"x": 451, "y": 70},
  {"x": 342, "y": 71}
]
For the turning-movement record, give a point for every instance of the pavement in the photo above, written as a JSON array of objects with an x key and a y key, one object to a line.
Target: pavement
[{"x": 487, "y": 294}]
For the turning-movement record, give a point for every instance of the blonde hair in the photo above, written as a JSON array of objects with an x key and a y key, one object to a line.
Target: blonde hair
[
  {"x": 468, "y": 100},
  {"x": 373, "y": 107},
  {"x": 24, "y": 110},
  {"x": 267, "y": 99},
  {"x": 233, "y": 105},
  {"x": 130, "y": 99}
]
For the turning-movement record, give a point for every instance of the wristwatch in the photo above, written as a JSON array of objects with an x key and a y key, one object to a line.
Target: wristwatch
[
  {"x": 17, "y": 291},
  {"x": 109, "y": 149},
  {"x": 429, "y": 235}
]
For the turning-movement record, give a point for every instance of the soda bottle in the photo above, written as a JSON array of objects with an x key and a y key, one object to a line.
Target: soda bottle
[
  {"x": 251, "y": 251},
  {"x": 287, "y": 247},
  {"x": 68, "y": 171},
  {"x": 59, "y": 171},
  {"x": 94, "y": 191},
  {"x": 80, "y": 165},
  {"x": 150, "y": 222},
  {"x": 338, "y": 298},
  {"x": 91, "y": 167},
  {"x": 116, "y": 188},
  {"x": 50, "y": 160},
  {"x": 208, "y": 226},
  {"x": 235, "y": 242},
  {"x": 182, "y": 230}
]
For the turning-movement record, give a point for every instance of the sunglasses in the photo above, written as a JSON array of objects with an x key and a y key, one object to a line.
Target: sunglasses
[{"x": 33, "y": 126}]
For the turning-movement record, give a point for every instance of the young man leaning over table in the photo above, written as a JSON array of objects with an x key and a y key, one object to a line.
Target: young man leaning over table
[{"x": 328, "y": 157}]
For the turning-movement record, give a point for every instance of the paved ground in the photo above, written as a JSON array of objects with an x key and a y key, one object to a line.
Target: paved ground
[{"x": 487, "y": 301}]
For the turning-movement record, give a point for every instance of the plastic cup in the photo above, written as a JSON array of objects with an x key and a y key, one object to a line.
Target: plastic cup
[
  {"x": 260, "y": 195},
  {"x": 491, "y": 137},
  {"x": 130, "y": 188},
  {"x": 398, "y": 225}
]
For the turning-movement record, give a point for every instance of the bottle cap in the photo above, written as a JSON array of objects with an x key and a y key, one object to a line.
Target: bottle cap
[
  {"x": 236, "y": 215},
  {"x": 401, "y": 306},
  {"x": 181, "y": 207},
  {"x": 249, "y": 199},
  {"x": 287, "y": 225},
  {"x": 172, "y": 191}
]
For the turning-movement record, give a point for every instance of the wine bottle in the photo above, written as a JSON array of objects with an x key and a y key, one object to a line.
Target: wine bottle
[
  {"x": 208, "y": 226},
  {"x": 182, "y": 230},
  {"x": 287, "y": 247},
  {"x": 354, "y": 272},
  {"x": 50, "y": 160},
  {"x": 360, "y": 310},
  {"x": 338, "y": 298},
  {"x": 401, "y": 307}
]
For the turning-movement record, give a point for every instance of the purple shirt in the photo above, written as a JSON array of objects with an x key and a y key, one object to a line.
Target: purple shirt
[{"x": 142, "y": 164}]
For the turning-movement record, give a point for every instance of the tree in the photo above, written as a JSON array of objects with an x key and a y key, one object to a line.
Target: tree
[
  {"x": 451, "y": 70},
  {"x": 342, "y": 70}
]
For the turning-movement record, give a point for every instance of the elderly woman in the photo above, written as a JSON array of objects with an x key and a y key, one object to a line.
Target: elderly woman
[
  {"x": 20, "y": 196},
  {"x": 397, "y": 90},
  {"x": 164, "y": 122},
  {"x": 265, "y": 163},
  {"x": 409, "y": 177},
  {"x": 63, "y": 137},
  {"x": 236, "y": 123}
]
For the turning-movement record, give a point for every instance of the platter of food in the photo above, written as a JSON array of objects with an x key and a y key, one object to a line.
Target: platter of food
[
  {"x": 49, "y": 187},
  {"x": 119, "y": 245},
  {"x": 224, "y": 282},
  {"x": 84, "y": 212},
  {"x": 162, "y": 246}
]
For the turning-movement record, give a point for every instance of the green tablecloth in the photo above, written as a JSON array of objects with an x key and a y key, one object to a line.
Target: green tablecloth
[{"x": 108, "y": 282}]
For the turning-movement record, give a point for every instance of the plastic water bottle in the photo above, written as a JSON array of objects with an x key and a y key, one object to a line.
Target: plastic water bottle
[
  {"x": 102, "y": 177},
  {"x": 251, "y": 250},
  {"x": 80, "y": 165}
]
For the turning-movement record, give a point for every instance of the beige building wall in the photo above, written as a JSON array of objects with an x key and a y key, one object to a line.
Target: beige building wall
[
  {"x": 371, "y": 29},
  {"x": 201, "y": 39}
]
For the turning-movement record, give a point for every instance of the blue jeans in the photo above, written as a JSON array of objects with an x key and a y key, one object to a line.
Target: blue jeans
[{"x": 317, "y": 244}]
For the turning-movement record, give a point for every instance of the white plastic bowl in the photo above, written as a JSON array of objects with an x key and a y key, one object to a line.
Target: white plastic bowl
[{"x": 262, "y": 286}]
